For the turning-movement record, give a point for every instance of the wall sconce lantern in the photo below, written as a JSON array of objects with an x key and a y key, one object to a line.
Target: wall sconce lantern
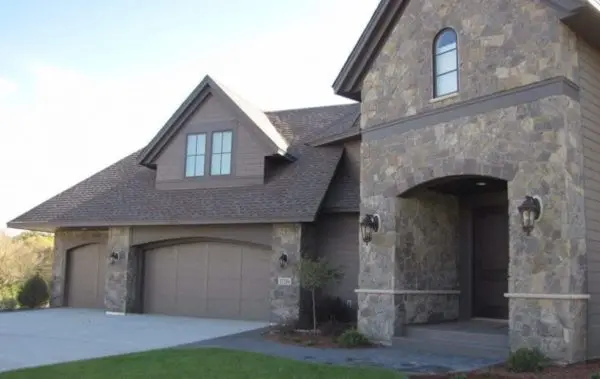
[
  {"x": 530, "y": 211},
  {"x": 114, "y": 257},
  {"x": 369, "y": 224},
  {"x": 283, "y": 260}
]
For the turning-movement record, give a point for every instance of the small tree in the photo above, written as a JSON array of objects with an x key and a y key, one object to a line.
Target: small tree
[{"x": 314, "y": 275}]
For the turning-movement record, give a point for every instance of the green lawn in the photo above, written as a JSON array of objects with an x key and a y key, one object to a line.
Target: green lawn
[{"x": 196, "y": 363}]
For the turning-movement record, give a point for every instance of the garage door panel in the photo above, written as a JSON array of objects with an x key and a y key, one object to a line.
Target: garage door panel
[
  {"x": 86, "y": 276},
  {"x": 225, "y": 261},
  {"x": 159, "y": 281},
  {"x": 223, "y": 308},
  {"x": 224, "y": 288},
  {"x": 209, "y": 279},
  {"x": 255, "y": 263},
  {"x": 255, "y": 310}
]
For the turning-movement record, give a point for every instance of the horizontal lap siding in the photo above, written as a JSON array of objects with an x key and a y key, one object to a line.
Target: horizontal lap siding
[{"x": 589, "y": 60}]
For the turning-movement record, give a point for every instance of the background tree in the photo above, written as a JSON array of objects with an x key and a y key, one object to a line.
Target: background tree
[
  {"x": 22, "y": 257},
  {"x": 314, "y": 275}
]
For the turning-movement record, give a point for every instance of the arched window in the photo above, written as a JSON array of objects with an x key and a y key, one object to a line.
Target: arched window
[{"x": 445, "y": 63}]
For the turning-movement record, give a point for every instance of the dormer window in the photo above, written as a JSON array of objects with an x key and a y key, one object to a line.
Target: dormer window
[
  {"x": 220, "y": 160},
  {"x": 195, "y": 157},
  {"x": 445, "y": 63}
]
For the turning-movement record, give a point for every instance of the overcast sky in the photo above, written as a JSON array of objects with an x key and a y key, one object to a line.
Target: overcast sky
[{"x": 84, "y": 83}]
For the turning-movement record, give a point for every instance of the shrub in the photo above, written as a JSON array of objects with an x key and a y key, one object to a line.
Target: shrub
[
  {"x": 527, "y": 360},
  {"x": 333, "y": 328},
  {"x": 459, "y": 376},
  {"x": 353, "y": 338},
  {"x": 596, "y": 376},
  {"x": 34, "y": 292},
  {"x": 8, "y": 304}
]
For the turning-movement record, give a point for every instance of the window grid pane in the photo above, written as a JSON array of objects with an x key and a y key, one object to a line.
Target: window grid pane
[
  {"x": 216, "y": 142},
  {"x": 215, "y": 164},
  {"x": 191, "y": 144},
  {"x": 201, "y": 144},
  {"x": 225, "y": 163},
  {"x": 226, "y": 147},
  {"x": 199, "y": 165},
  {"x": 447, "y": 83},
  {"x": 445, "y": 62}
]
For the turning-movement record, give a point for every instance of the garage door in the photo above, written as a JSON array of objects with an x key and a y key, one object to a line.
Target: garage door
[
  {"x": 86, "y": 276},
  {"x": 208, "y": 280}
]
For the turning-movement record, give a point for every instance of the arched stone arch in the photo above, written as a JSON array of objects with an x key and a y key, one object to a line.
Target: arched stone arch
[{"x": 410, "y": 178}]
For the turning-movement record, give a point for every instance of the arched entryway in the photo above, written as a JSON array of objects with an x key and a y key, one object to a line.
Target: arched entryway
[{"x": 456, "y": 233}]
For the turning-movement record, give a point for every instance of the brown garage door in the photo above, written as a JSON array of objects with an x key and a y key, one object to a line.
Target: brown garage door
[
  {"x": 86, "y": 276},
  {"x": 207, "y": 280}
]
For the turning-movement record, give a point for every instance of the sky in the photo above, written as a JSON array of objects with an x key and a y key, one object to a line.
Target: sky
[{"x": 85, "y": 83}]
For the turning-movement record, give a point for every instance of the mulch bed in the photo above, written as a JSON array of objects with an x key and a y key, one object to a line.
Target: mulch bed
[
  {"x": 583, "y": 370},
  {"x": 303, "y": 339}
]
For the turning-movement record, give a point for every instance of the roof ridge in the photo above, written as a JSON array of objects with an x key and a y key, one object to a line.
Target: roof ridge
[{"x": 310, "y": 108}]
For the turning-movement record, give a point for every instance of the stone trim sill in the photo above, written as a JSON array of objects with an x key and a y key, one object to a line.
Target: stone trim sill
[
  {"x": 407, "y": 292},
  {"x": 109, "y": 313},
  {"x": 442, "y": 98},
  {"x": 548, "y": 296}
]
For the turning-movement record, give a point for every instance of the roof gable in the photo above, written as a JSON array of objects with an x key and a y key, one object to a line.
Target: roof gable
[
  {"x": 382, "y": 22},
  {"x": 266, "y": 133},
  {"x": 349, "y": 81}
]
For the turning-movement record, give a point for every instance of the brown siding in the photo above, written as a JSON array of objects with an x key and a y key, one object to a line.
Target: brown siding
[
  {"x": 253, "y": 233},
  {"x": 248, "y": 154},
  {"x": 352, "y": 158},
  {"x": 590, "y": 113},
  {"x": 343, "y": 194},
  {"x": 337, "y": 240}
]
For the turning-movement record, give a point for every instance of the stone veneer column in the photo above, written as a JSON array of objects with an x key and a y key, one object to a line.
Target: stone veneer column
[
  {"x": 121, "y": 295},
  {"x": 64, "y": 241},
  {"x": 295, "y": 240},
  {"x": 377, "y": 312},
  {"x": 547, "y": 290}
]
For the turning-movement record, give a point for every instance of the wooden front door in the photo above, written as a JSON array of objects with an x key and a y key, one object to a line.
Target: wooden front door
[{"x": 490, "y": 262}]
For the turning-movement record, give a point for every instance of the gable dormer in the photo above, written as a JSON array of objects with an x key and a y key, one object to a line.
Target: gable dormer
[{"x": 214, "y": 139}]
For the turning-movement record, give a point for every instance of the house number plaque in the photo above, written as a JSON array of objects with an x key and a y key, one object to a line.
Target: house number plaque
[{"x": 284, "y": 281}]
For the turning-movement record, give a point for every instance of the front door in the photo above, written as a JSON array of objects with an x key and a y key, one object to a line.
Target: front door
[{"x": 490, "y": 262}]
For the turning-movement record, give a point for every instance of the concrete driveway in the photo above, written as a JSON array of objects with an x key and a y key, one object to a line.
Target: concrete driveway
[{"x": 41, "y": 337}]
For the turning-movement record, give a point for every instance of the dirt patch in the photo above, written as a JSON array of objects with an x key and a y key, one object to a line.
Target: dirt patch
[{"x": 583, "y": 370}]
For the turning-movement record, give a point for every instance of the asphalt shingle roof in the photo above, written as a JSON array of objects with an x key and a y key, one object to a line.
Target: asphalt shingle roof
[{"x": 125, "y": 194}]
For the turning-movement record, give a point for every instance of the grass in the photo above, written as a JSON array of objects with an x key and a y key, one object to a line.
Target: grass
[{"x": 197, "y": 363}]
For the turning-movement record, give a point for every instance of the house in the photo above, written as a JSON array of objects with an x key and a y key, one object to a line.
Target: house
[{"x": 473, "y": 157}]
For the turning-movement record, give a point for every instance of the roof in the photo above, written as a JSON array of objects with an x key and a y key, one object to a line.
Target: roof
[
  {"x": 125, "y": 193},
  {"x": 369, "y": 44},
  {"x": 270, "y": 136}
]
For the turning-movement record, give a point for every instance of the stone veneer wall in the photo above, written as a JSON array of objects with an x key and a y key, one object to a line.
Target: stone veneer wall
[
  {"x": 295, "y": 240},
  {"x": 536, "y": 147},
  {"x": 64, "y": 241},
  {"x": 427, "y": 257},
  {"x": 503, "y": 44}
]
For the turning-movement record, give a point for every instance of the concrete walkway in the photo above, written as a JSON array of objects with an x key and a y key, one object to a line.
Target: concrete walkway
[
  {"x": 399, "y": 359},
  {"x": 41, "y": 337}
]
